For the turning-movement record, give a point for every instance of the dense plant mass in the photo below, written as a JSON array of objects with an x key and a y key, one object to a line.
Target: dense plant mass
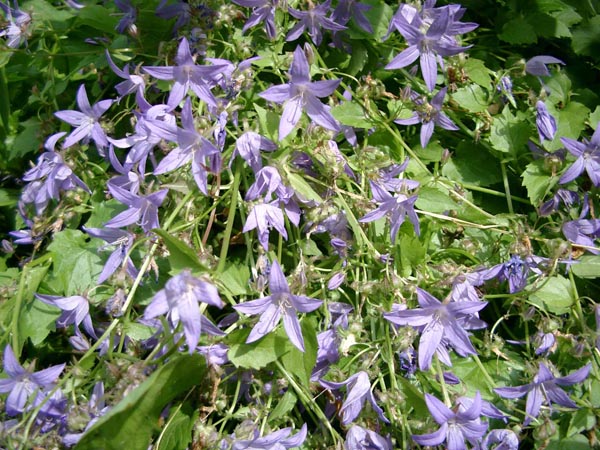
[{"x": 262, "y": 224}]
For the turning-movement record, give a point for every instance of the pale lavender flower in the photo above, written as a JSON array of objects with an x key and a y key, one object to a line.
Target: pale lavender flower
[
  {"x": 278, "y": 440},
  {"x": 141, "y": 209},
  {"x": 312, "y": 21},
  {"x": 430, "y": 35},
  {"x": 583, "y": 232},
  {"x": 358, "y": 390},
  {"x": 544, "y": 389},
  {"x": 179, "y": 301},
  {"x": 336, "y": 280},
  {"x": 75, "y": 311},
  {"x": 232, "y": 77},
  {"x": 187, "y": 75},
  {"x": 300, "y": 94},
  {"x": 215, "y": 354},
  {"x": 359, "y": 438},
  {"x": 537, "y": 65},
  {"x": 22, "y": 384},
  {"x": 396, "y": 207},
  {"x": 588, "y": 158},
  {"x": 429, "y": 115},
  {"x": 327, "y": 353},
  {"x": 281, "y": 303},
  {"x": 441, "y": 325},
  {"x": 455, "y": 427},
  {"x": 128, "y": 180},
  {"x": 249, "y": 145},
  {"x": 544, "y": 343},
  {"x": 263, "y": 217},
  {"x": 132, "y": 83},
  {"x": 122, "y": 241},
  {"x": 87, "y": 121},
  {"x": 95, "y": 409},
  {"x": 500, "y": 440},
  {"x": 17, "y": 29},
  {"x": 545, "y": 122},
  {"x": 263, "y": 13}
]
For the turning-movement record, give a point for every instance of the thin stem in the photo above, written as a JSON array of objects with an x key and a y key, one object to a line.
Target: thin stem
[
  {"x": 230, "y": 217},
  {"x": 506, "y": 187}
]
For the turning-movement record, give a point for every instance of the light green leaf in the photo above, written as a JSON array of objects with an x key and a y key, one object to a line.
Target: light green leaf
[
  {"x": 303, "y": 188},
  {"x": 177, "y": 433},
  {"x": 284, "y": 405},
  {"x": 435, "y": 200},
  {"x": 555, "y": 296},
  {"x": 537, "y": 181},
  {"x": 349, "y": 113},
  {"x": 181, "y": 255},
  {"x": 132, "y": 421},
  {"x": 583, "y": 419},
  {"x": 298, "y": 363},
  {"x": 595, "y": 118},
  {"x": 268, "y": 122},
  {"x": 379, "y": 16},
  {"x": 509, "y": 133},
  {"x": 478, "y": 73},
  {"x": 587, "y": 267},
  {"x": 257, "y": 354},
  {"x": 570, "y": 123},
  {"x": 235, "y": 278},
  {"x": 472, "y": 97},
  {"x": 28, "y": 139}
]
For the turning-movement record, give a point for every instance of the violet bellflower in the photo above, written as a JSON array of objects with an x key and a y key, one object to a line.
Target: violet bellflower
[
  {"x": 429, "y": 115},
  {"x": 588, "y": 158},
  {"x": 127, "y": 22},
  {"x": 430, "y": 34},
  {"x": 281, "y": 303},
  {"x": 359, "y": 438},
  {"x": 300, "y": 94},
  {"x": 128, "y": 180},
  {"x": 352, "y": 9},
  {"x": 95, "y": 409},
  {"x": 23, "y": 385},
  {"x": 132, "y": 83},
  {"x": 583, "y": 232},
  {"x": 500, "y": 440},
  {"x": 278, "y": 440},
  {"x": 179, "y": 9},
  {"x": 545, "y": 122},
  {"x": 87, "y": 121},
  {"x": 141, "y": 209},
  {"x": 17, "y": 30},
  {"x": 312, "y": 21},
  {"x": 358, "y": 390},
  {"x": 263, "y": 12},
  {"x": 545, "y": 389},
  {"x": 187, "y": 75},
  {"x": 75, "y": 311},
  {"x": 249, "y": 145},
  {"x": 179, "y": 301},
  {"x": 455, "y": 427},
  {"x": 122, "y": 241},
  {"x": 442, "y": 325},
  {"x": 537, "y": 65},
  {"x": 396, "y": 207}
]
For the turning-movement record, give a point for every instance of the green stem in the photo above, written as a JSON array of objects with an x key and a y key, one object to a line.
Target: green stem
[
  {"x": 4, "y": 105},
  {"x": 230, "y": 217},
  {"x": 440, "y": 371},
  {"x": 506, "y": 187}
]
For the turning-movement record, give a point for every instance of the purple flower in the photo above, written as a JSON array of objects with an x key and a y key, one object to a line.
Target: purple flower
[
  {"x": 180, "y": 9},
  {"x": 122, "y": 241},
  {"x": 75, "y": 311},
  {"x": 22, "y": 384},
  {"x": 545, "y": 389},
  {"x": 87, "y": 121},
  {"x": 215, "y": 354},
  {"x": 249, "y": 145},
  {"x": 545, "y": 122},
  {"x": 352, "y": 9},
  {"x": 179, "y": 300},
  {"x": 569, "y": 198},
  {"x": 142, "y": 210},
  {"x": 187, "y": 75},
  {"x": 537, "y": 65},
  {"x": 313, "y": 20},
  {"x": 132, "y": 83},
  {"x": 588, "y": 158},
  {"x": 358, "y": 389},
  {"x": 455, "y": 427},
  {"x": 263, "y": 13},
  {"x": 500, "y": 440},
  {"x": 430, "y": 35},
  {"x": 441, "y": 325},
  {"x": 396, "y": 207},
  {"x": 127, "y": 22},
  {"x": 429, "y": 114},
  {"x": 359, "y": 438},
  {"x": 302, "y": 94},
  {"x": 17, "y": 29},
  {"x": 515, "y": 271},
  {"x": 583, "y": 232},
  {"x": 263, "y": 217},
  {"x": 281, "y": 303},
  {"x": 278, "y": 440},
  {"x": 95, "y": 409}
]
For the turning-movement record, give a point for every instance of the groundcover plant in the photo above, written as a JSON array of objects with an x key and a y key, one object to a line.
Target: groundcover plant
[{"x": 269, "y": 224}]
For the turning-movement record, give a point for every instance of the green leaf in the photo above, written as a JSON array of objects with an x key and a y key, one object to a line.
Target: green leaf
[
  {"x": 478, "y": 73},
  {"x": 44, "y": 11},
  {"x": 181, "y": 256},
  {"x": 595, "y": 118},
  {"x": 177, "y": 433},
  {"x": 472, "y": 164},
  {"x": 76, "y": 264},
  {"x": 509, "y": 133},
  {"x": 235, "y": 278},
  {"x": 555, "y": 296},
  {"x": 28, "y": 140},
  {"x": 257, "y": 354},
  {"x": 349, "y": 113},
  {"x": 137, "y": 331},
  {"x": 301, "y": 364},
  {"x": 412, "y": 253},
  {"x": 518, "y": 31},
  {"x": 586, "y": 38},
  {"x": 98, "y": 17},
  {"x": 435, "y": 200},
  {"x": 8, "y": 197},
  {"x": 268, "y": 122},
  {"x": 472, "y": 97},
  {"x": 284, "y": 405},
  {"x": 131, "y": 423},
  {"x": 379, "y": 16},
  {"x": 583, "y": 419},
  {"x": 559, "y": 86},
  {"x": 587, "y": 267},
  {"x": 537, "y": 181},
  {"x": 570, "y": 123},
  {"x": 302, "y": 187}
]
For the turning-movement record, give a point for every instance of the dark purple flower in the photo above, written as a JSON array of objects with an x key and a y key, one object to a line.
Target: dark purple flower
[
  {"x": 455, "y": 427},
  {"x": 215, "y": 354},
  {"x": 430, "y": 34},
  {"x": 358, "y": 390},
  {"x": 441, "y": 325},
  {"x": 312, "y": 21},
  {"x": 515, "y": 271},
  {"x": 537, "y": 65},
  {"x": 545, "y": 389},
  {"x": 75, "y": 311},
  {"x": 583, "y": 232},
  {"x": 22, "y": 384},
  {"x": 179, "y": 301},
  {"x": 87, "y": 121},
  {"x": 359, "y": 438},
  {"x": 141, "y": 209},
  {"x": 127, "y": 22},
  {"x": 396, "y": 207},
  {"x": 281, "y": 303},
  {"x": 352, "y": 9},
  {"x": 588, "y": 158},
  {"x": 187, "y": 75},
  {"x": 545, "y": 122},
  {"x": 278, "y": 440},
  {"x": 263, "y": 13},
  {"x": 569, "y": 198},
  {"x": 300, "y": 94},
  {"x": 122, "y": 242},
  {"x": 429, "y": 115},
  {"x": 180, "y": 9}
]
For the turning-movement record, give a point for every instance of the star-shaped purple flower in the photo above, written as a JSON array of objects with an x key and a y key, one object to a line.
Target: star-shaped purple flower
[
  {"x": 278, "y": 440},
  {"x": 281, "y": 303},
  {"x": 313, "y": 20},
  {"x": 263, "y": 13},
  {"x": 122, "y": 241},
  {"x": 142, "y": 209},
  {"x": 588, "y": 158},
  {"x": 300, "y": 94},
  {"x": 75, "y": 311}
]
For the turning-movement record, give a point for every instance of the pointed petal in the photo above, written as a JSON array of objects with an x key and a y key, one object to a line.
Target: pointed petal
[
  {"x": 46, "y": 377},
  {"x": 11, "y": 366},
  {"x": 431, "y": 337},
  {"x": 292, "y": 328},
  {"x": 267, "y": 322},
  {"x": 408, "y": 56},
  {"x": 277, "y": 281},
  {"x": 575, "y": 377},
  {"x": 292, "y": 111},
  {"x": 439, "y": 411},
  {"x": 429, "y": 69},
  {"x": 432, "y": 439}
]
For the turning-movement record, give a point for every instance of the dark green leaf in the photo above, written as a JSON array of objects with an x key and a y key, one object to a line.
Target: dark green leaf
[
  {"x": 177, "y": 433},
  {"x": 284, "y": 405},
  {"x": 472, "y": 164},
  {"x": 583, "y": 419},
  {"x": 298, "y": 363},
  {"x": 510, "y": 132},
  {"x": 518, "y": 31},
  {"x": 181, "y": 255}
]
